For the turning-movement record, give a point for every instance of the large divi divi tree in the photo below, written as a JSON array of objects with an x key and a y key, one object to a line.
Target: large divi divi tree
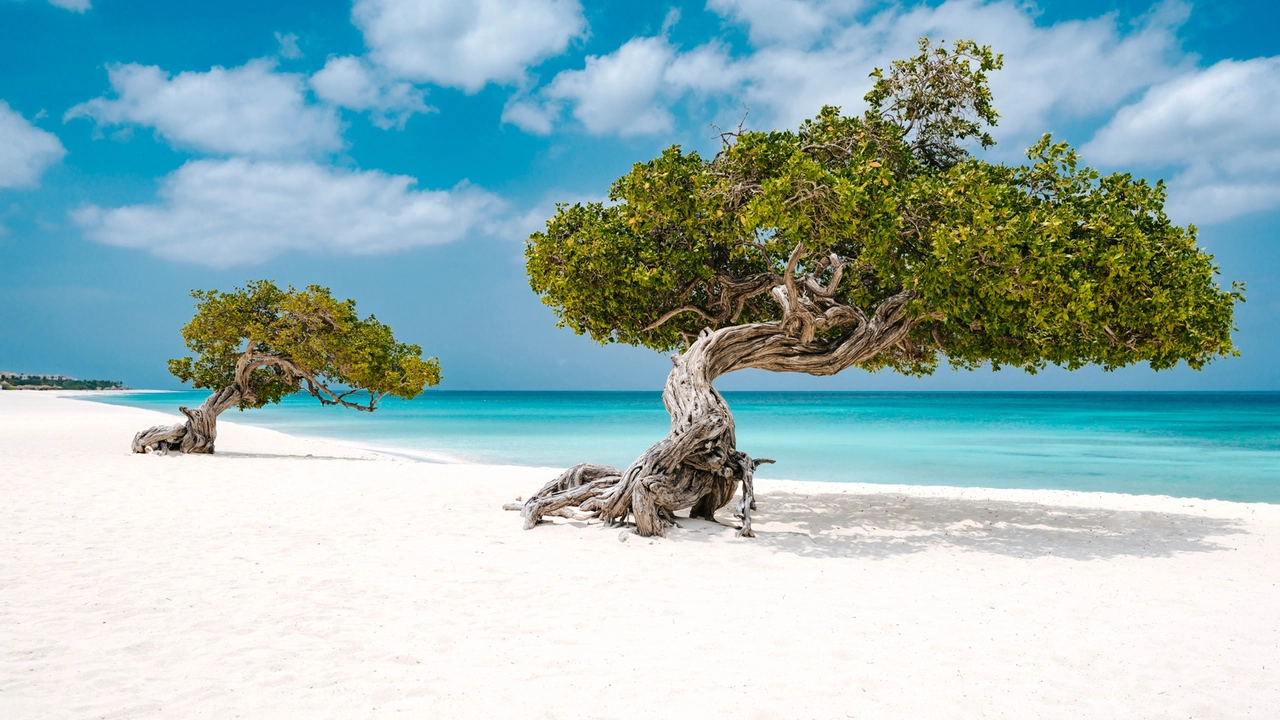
[
  {"x": 259, "y": 344},
  {"x": 876, "y": 242}
]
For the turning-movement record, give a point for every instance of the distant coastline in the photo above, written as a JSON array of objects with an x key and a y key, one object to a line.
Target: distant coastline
[{"x": 27, "y": 381}]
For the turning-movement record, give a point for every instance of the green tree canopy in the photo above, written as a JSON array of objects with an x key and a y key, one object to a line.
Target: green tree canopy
[
  {"x": 269, "y": 343},
  {"x": 1044, "y": 263}
]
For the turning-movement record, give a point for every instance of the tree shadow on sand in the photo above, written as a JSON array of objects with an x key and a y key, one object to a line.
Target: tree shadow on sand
[{"x": 883, "y": 525}]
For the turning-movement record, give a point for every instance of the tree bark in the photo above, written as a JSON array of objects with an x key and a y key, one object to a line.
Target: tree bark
[
  {"x": 197, "y": 434},
  {"x": 698, "y": 465}
]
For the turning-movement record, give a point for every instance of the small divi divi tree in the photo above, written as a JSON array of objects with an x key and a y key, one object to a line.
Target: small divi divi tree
[
  {"x": 876, "y": 242},
  {"x": 258, "y": 344}
]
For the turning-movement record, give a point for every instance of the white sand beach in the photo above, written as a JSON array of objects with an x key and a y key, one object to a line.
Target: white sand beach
[{"x": 290, "y": 578}]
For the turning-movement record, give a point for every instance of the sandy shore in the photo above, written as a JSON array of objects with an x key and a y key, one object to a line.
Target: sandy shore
[{"x": 290, "y": 578}]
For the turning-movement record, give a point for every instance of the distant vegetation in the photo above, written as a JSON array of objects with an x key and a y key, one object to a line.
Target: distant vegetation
[{"x": 19, "y": 381}]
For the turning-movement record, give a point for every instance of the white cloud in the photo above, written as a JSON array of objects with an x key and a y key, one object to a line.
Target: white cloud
[
  {"x": 248, "y": 110},
  {"x": 530, "y": 115},
  {"x": 1069, "y": 70},
  {"x": 289, "y": 49},
  {"x": 25, "y": 150},
  {"x": 785, "y": 21},
  {"x": 237, "y": 212},
  {"x": 808, "y": 54},
  {"x": 1217, "y": 127},
  {"x": 616, "y": 93},
  {"x": 706, "y": 69},
  {"x": 466, "y": 43},
  {"x": 627, "y": 92},
  {"x": 350, "y": 82},
  {"x": 73, "y": 5}
]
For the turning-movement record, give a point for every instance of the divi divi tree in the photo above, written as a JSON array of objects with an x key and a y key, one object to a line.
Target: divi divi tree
[
  {"x": 259, "y": 344},
  {"x": 877, "y": 242}
]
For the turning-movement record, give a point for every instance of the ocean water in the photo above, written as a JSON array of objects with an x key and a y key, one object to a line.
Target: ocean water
[{"x": 1208, "y": 445}]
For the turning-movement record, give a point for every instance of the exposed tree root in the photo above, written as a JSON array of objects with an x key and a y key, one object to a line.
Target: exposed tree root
[{"x": 196, "y": 435}]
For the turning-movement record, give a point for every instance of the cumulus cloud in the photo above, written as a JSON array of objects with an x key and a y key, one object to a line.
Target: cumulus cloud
[
  {"x": 1216, "y": 128},
  {"x": 810, "y": 53},
  {"x": 25, "y": 150},
  {"x": 224, "y": 213},
  {"x": 629, "y": 91},
  {"x": 352, "y": 83},
  {"x": 465, "y": 43},
  {"x": 250, "y": 110},
  {"x": 79, "y": 6},
  {"x": 615, "y": 93},
  {"x": 530, "y": 114},
  {"x": 1071, "y": 69},
  {"x": 791, "y": 22},
  {"x": 289, "y": 49}
]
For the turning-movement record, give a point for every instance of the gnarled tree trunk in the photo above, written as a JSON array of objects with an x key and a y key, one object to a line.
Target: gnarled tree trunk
[
  {"x": 698, "y": 466},
  {"x": 197, "y": 434}
]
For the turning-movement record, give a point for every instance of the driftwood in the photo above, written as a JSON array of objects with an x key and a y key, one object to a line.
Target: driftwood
[{"x": 698, "y": 466}]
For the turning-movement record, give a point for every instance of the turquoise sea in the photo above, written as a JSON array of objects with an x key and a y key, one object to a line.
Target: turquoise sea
[{"x": 1209, "y": 445}]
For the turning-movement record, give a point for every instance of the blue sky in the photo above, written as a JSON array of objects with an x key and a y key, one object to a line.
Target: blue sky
[{"x": 399, "y": 151}]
